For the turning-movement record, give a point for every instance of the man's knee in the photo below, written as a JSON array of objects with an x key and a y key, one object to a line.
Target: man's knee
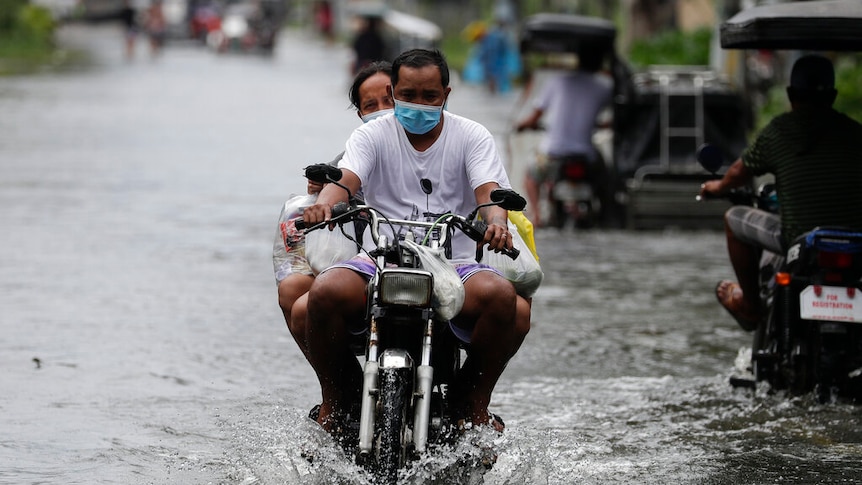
[
  {"x": 488, "y": 291},
  {"x": 338, "y": 290},
  {"x": 298, "y": 315},
  {"x": 284, "y": 297}
]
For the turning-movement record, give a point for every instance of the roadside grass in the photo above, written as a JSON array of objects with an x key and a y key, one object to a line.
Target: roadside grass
[
  {"x": 457, "y": 50},
  {"x": 24, "y": 56}
]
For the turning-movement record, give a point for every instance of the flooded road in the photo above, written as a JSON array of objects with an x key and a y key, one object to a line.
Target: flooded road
[{"x": 142, "y": 342}]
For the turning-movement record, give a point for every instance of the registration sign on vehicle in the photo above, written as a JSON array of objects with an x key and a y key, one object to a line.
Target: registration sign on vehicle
[{"x": 831, "y": 303}]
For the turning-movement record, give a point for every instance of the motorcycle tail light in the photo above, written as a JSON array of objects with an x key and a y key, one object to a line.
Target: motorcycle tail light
[
  {"x": 575, "y": 171},
  {"x": 408, "y": 287},
  {"x": 782, "y": 279},
  {"x": 833, "y": 277},
  {"x": 832, "y": 260}
]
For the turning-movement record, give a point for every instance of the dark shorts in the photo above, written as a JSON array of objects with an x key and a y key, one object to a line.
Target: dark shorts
[{"x": 365, "y": 267}]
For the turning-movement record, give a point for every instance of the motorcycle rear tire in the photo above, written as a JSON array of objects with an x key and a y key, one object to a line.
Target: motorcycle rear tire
[
  {"x": 801, "y": 380},
  {"x": 394, "y": 401},
  {"x": 765, "y": 354},
  {"x": 559, "y": 216}
]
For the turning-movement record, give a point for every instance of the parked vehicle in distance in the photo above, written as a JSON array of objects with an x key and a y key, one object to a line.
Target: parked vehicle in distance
[
  {"x": 246, "y": 26},
  {"x": 204, "y": 18}
]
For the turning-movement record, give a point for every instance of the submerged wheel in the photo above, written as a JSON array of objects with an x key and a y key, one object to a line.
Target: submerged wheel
[
  {"x": 801, "y": 379},
  {"x": 394, "y": 400},
  {"x": 586, "y": 218},
  {"x": 764, "y": 355},
  {"x": 558, "y": 214}
]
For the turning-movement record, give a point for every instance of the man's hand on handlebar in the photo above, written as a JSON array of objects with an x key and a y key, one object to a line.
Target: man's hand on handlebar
[
  {"x": 497, "y": 237},
  {"x": 316, "y": 213},
  {"x": 710, "y": 188}
]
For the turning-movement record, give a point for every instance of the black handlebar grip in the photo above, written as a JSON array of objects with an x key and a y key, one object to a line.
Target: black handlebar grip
[
  {"x": 340, "y": 208},
  {"x": 337, "y": 210},
  {"x": 480, "y": 227}
]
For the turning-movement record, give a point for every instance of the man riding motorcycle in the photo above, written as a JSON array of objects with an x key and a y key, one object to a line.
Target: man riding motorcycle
[
  {"x": 574, "y": 101},
  {"x": 389, "y": 159},
  {"x": 813, "y": 152}
]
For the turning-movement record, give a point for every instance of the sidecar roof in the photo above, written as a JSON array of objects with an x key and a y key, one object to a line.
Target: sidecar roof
[
  {"x": 827, "y": 25},
  {"x": 555, "y": 32}
]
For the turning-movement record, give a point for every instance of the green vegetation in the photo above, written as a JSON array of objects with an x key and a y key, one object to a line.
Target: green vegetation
[
  {"x": 456, "y": 49},
  {"x": 672, "y": 47},
  {"x": 679, "y": 48},
  {"x": 848, "y": 71},
  {"x": 26, "y": 36}
]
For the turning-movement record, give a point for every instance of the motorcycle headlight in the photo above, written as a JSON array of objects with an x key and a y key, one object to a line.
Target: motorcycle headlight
[{"x": 405, "y": 287}]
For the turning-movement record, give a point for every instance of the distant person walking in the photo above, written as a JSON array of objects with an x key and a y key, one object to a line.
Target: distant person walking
[
  {"x": 323, "y": 19},
  {"x": 128, "y": 16},
  {"x": 156, "y": 26},
  {"x": 493, "y": 59},
  {"x": 495, "y": 55},
  {"x": 369, "y": 45}
]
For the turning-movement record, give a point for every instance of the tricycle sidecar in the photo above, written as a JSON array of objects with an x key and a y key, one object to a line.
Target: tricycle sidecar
[{"x": 828, "y": 25}]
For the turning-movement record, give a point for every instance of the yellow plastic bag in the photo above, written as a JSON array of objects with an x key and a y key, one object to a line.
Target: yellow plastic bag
[
  {"x": 524, "y": 272},
  {"x": 525, "y": 230}
]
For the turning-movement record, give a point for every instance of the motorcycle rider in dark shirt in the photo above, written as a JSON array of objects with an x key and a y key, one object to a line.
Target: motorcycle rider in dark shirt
[{"x": 814, "y": 153}]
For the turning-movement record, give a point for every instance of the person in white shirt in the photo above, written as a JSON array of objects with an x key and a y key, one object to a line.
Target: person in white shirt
[
  {"x": 572, "y": 100},
  {"x": 387, "y": 159},
  {"x": 369, "y": 95}
]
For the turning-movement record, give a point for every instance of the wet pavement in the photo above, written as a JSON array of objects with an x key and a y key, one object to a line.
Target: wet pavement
[{"x": 142, "y": 342}]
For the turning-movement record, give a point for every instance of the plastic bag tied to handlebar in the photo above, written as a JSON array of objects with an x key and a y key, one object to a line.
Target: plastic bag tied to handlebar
[
  {"x": 524, "y": 273},
  {"x": 448, "y": 294}
]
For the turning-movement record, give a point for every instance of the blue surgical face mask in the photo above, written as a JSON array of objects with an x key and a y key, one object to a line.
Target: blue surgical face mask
[
  {"x": 376, "y": 114},
  {"x": 417, "y": 118}
]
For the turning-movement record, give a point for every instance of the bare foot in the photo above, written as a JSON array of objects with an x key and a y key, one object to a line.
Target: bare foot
[{"x": 730, "y": 296}]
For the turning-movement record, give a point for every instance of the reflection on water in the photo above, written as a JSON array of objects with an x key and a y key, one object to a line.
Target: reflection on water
[{"x": 137, "y": 269}]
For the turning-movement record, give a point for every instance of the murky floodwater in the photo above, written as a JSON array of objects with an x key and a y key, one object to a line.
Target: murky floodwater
[{"x": 141, "y": 340}]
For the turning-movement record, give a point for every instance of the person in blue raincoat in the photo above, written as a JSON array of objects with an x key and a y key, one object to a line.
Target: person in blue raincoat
[{"x": 493, "y": 59}]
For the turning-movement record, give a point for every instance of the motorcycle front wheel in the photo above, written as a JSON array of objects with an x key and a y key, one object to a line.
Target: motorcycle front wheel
[{"x": 393, "y": 403}]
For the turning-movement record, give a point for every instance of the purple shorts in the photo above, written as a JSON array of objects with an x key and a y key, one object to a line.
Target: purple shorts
[{"x": 366, "y": 268}]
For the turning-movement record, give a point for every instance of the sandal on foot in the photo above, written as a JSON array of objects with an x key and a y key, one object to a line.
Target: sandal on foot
[
  {"x": 494, "y": 421},
  {"x": 314, "y": 413},
  {"x": 343, "y": 427},
  {"x": 310, "y": 454},
  {"x": 488, "y": 456},
  {"x": 728, "y": 288}
]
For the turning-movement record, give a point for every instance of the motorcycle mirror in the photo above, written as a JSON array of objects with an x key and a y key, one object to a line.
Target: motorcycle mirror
[
  {"x": 325, "y": 173},
  {"x": 710, "y": 158},
  {"x": 508, "y": 199},
  {"x": 322, "y": 173}
]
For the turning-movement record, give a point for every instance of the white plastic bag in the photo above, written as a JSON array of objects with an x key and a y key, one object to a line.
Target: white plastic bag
[
  {"x": 288, "y": 246},
  {"x": 323, "y": 247},
  {"x": 525, "y": 273},
  {"x": 448, "y": 296}
]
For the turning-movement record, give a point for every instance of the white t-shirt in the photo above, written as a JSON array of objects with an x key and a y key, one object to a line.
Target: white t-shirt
[
  {"x": 390, "y": 170},
  {"x": 572, "y": 101}
]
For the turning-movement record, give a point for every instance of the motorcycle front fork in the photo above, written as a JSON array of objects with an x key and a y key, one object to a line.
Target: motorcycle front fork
[{"x": 421, "y": 395}]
